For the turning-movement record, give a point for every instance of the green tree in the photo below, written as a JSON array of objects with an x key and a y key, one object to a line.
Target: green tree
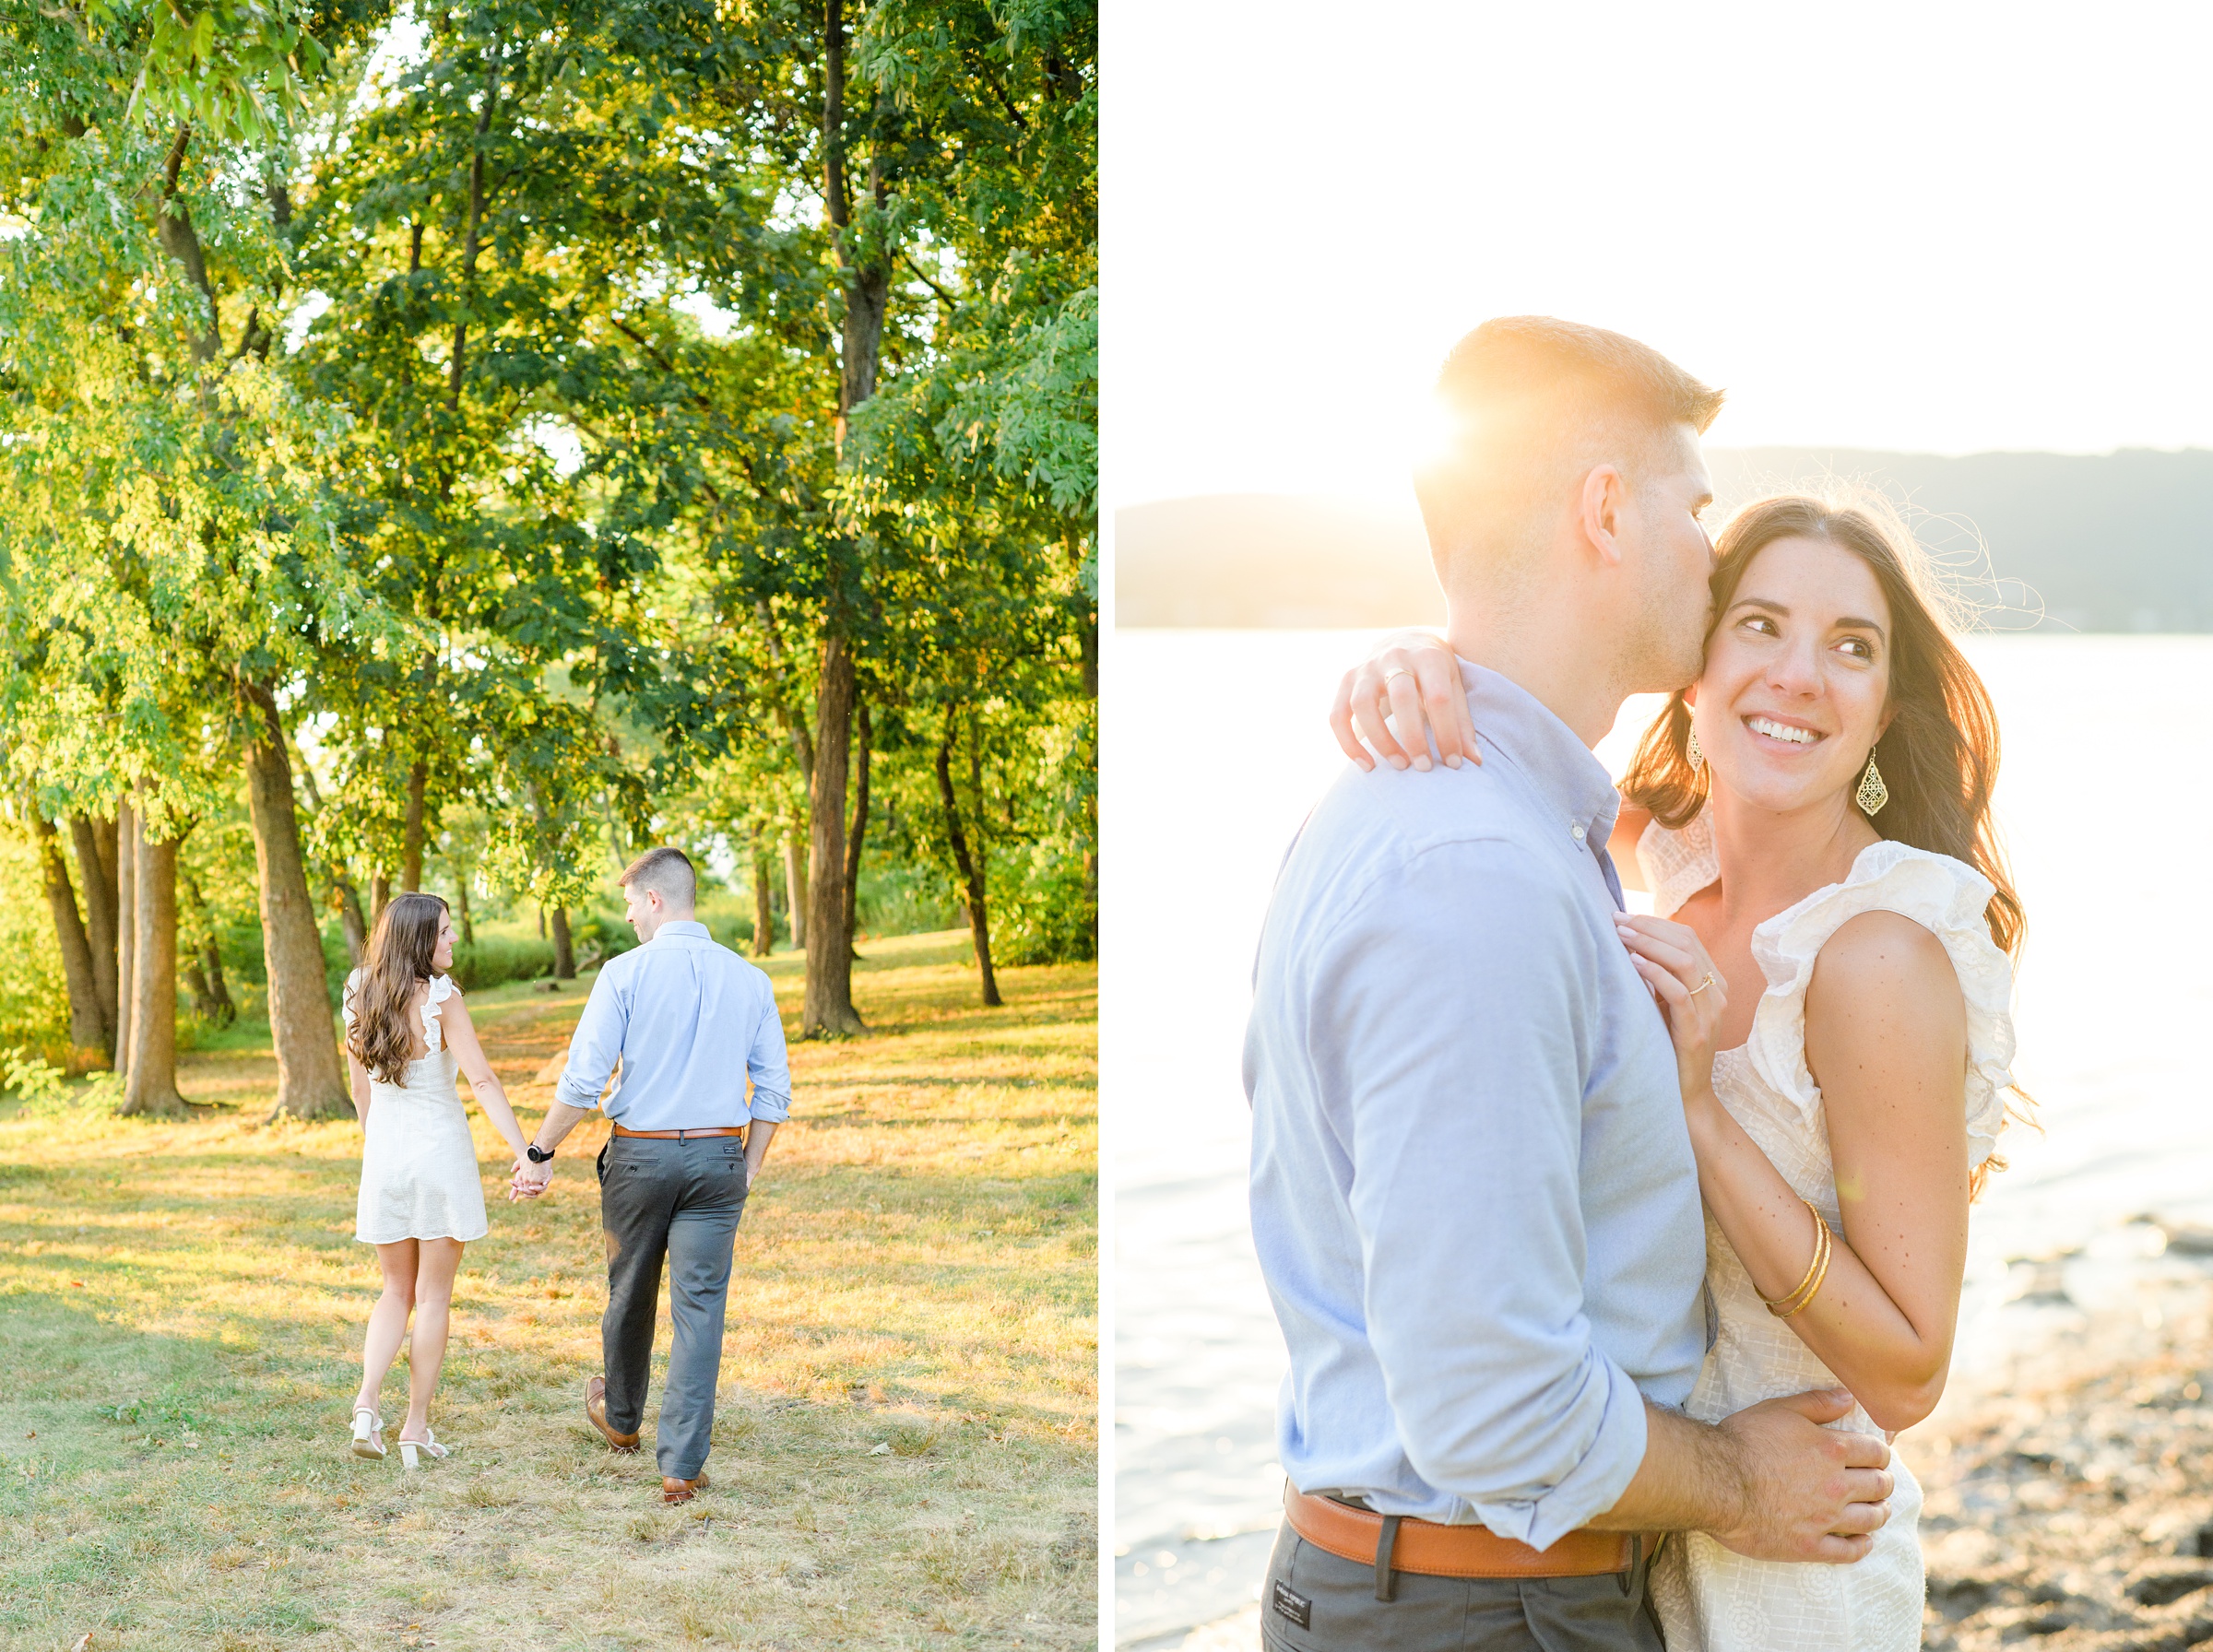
[{"x": 165, "y": 554}]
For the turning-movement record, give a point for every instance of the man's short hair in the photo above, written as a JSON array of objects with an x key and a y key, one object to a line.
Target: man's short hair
[
  {"x": 1533, "y": 406},
  {"x": 666, "y": 871}
]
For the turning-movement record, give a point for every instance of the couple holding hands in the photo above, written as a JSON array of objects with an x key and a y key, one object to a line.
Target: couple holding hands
[{"x": 689, "y": 1021}]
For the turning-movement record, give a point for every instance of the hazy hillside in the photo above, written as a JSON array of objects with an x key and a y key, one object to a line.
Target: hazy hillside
[{"x": 2115, "y": 542}]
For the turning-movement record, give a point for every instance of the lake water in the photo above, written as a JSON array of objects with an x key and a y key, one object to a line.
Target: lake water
[{"x": 1215, "y": 749}]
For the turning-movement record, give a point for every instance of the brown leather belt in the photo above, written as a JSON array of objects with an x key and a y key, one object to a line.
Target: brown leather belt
[
  {"x": 683, "y": 1135},
  {"x": 1437, "y": 1551}
]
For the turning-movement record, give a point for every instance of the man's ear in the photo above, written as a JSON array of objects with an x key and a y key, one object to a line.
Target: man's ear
[{"x": 1599, "y": 510}]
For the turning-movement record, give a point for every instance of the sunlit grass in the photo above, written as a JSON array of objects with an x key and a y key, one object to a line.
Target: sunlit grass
[{"x": 905, "y": 1451}]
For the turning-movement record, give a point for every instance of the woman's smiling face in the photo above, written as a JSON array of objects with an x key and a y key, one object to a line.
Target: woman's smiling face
[{"x": 1797, "y": 677}]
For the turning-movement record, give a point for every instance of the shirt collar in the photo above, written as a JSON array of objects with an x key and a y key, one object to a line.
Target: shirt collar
[
  {"x": 1517, "y": 725},
  {"x": 681, "y": 927}
]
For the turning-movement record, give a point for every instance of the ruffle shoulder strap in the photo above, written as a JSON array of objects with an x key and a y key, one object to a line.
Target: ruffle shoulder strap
[
  {"x": 1946, "y": 897},
  {"x": 1677, "y": 864},
  {"x": 441, "y": 988}
]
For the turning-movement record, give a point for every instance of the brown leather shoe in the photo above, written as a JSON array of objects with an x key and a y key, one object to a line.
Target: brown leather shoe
[
  {"x": 681, "y": 1491},
  {"x": 595, "y": 1411}
]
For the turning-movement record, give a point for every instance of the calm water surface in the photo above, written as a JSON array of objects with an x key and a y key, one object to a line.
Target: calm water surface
[{"x": 2104, "y": 803}]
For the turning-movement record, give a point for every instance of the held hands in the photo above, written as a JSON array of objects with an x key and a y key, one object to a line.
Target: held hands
[
  {"x": 1810, "y": 1493},
  {"x": 1674, "y": 964},
  {"x": 1414, "y": 678},
  {"x": 527, "y": 1180}
]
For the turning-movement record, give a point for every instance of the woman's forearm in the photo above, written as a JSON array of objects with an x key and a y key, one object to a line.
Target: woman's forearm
[
  {"x": 491, "y": 1095},
  {"x": 1892, "y": 1366}
]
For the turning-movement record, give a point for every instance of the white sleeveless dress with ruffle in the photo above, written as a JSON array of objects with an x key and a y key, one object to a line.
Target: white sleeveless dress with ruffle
[
  {"x": 419, "y": 1178},
  {"x": 1711, "y": 1600}
]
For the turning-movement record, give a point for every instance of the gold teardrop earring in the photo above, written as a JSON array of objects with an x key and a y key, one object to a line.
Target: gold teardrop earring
[
  {"x": 1873, "y": 794},
  {"x": 1691, "y": 754}
]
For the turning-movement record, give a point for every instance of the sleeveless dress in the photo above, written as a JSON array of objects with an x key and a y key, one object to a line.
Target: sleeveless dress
[
  {"x": 418, "y": 1164},
  {"x": 1711, "y": 1600}
]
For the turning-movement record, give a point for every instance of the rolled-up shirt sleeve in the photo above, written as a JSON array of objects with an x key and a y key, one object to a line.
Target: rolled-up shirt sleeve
[
  {"x": 1458, "y": 1007},
  {"x": 769, "y": 1067},
  {"x": 594, "y": 1046}
]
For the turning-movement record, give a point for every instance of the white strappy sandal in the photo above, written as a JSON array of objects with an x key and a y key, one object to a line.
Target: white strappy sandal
[
  {"x": 368, "y": 1433},
  {"x": 428, "y": 1445}
]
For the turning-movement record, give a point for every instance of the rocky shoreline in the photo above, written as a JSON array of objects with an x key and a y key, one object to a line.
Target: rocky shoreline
[{"x": 2070, "y": 1492}]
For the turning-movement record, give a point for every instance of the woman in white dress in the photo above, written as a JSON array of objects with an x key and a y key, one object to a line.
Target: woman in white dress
[
  {"x": 1830, "y": 942},
  {"x": 422, "y": 1200}
]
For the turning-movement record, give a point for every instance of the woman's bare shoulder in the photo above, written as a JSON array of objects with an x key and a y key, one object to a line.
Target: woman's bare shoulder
[{"x": 1878, "y": 960}]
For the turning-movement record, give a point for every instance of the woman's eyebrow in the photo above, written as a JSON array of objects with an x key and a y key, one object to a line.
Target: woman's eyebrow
[{"x": 1767, "y": 604}]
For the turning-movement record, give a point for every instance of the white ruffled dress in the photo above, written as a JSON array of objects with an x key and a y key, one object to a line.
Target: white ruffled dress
[
  {"x": 1711, "y": 1600},
  {"x": 419, "y": 1178}
]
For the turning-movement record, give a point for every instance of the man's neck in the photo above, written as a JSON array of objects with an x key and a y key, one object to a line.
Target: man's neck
[
  {"x": 652, "y": 926},
  {"x": 1543, "y": 651}
]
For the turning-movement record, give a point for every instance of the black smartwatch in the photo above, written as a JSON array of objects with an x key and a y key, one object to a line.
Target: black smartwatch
[{"x": 536, "y": 1154}]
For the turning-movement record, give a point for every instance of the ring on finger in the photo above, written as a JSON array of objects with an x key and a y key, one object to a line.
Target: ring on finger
[
  {"x": 1702, "y": 986},
  {"x": 1396, "y": 671}
]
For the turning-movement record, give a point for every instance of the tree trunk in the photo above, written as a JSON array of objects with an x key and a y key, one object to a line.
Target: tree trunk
[
  {"x": 95, "y": 843},
  {"x": 410, "y": 852},
  {"x": 209, "y": 967},
  {"x": 380, "y": 897},
  {"x": 867, "y": 286},
  {"x": 564, "y": 952},
  {"x": 103, "y": 846},
  {"x": 859, "y": 834},
  {"x": 795, "y": 894},
  {"x": 310, "y": 1083},
  {"x": 225, "y": 1007},
  {"x": 150, "y": 1086},
  {"x": 126, "y": 928},
  {"x": 88, "y": 1027},
  {"x": 827, "y": 1010},
  {"x": 469, "y": 928},
  {"x": 828, "y": 1007},
  {"x": 765, "y": 904},
  {"x": 972, "y": 874},
  {"x": 194, "y": 971},
  {"x": 351, "y": 920}
]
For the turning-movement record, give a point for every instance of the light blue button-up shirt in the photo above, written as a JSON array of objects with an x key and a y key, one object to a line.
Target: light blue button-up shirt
[
  {"x": 1472, "y": 1190},
  {"x": 692, "y": 1022}
]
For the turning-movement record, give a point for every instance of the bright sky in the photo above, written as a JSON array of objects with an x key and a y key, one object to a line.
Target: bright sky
[{"x": 1943, "y": 228}]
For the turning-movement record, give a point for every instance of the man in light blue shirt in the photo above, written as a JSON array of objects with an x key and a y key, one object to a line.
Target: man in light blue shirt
[
  {"x": 1473, "y": 1196},
  {"x": 684, "y": 1038}
]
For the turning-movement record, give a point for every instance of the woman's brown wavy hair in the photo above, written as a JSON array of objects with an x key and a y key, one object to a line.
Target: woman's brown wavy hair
[
  {"x": 1939, "y": 756},
  {"x": 399, "y": 960}
]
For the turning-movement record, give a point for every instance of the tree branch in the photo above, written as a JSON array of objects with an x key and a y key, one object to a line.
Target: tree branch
[
  {"x": 172, "y": 229},
  {"x": 833, "y": 120},
  {"x": 919, "y": 275}
]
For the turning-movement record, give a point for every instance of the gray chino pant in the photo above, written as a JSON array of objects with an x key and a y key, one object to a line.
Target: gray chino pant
[
  {"x": 1315, "y": 1601},
  {"x": 680, "y": 1199}
]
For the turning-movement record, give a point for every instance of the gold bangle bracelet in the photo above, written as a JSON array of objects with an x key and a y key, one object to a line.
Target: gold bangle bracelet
[
  {"x": 1782, "y": 1307},
  {"x": 1813, "y": 1263},
  {"x": 1813, "y": 1290}
]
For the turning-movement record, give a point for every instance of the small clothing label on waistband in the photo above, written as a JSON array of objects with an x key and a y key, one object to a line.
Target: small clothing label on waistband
[{"x": 1297, "y": 1608}]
